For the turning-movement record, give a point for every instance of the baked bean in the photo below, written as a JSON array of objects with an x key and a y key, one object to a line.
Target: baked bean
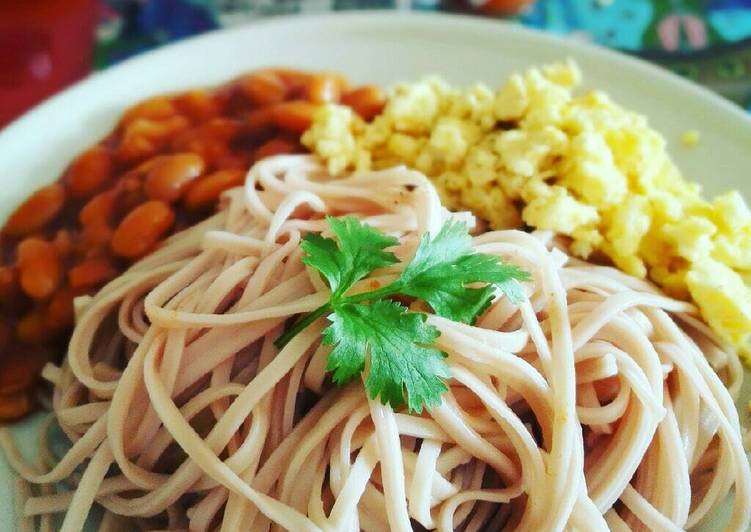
[
  {"x": 99, "y": 210},
  {"x": 39, "y": 267},
  {"x": 222, "y": 129},
  {"x": 295, "y": 115},
  {"x": 275, "y": 147},
  {"x": 59, "y": 314},
  {"x": 207, "y": 190},
  {"x": 366, "y": 101},
  {"x": 94, "y": 239},
  {"x": 90, "y": 273},
  {"x": 210, "y": 140},
  {"x": 89, "y": 172},
  {"x": 33, "y": 214},
  {"x": 325, "y": 88},
  {"x": 140, "y": 171},
  {"x": 145, "y": 137},
  {"x": 198, "y": 105},
  {"x": 258, "y": 122},
  {"x": 142, "y": 229},
  {"x": 294, "y": 79},
  {"x": 168, "y": 178},
  {"x": 263, "y": 88},
  {"x": 133, "y": 181},
  {"x": 297, "y": 82},
  {"x": 16, "y": 405},
  {"x": 64, "y": 243},
  {"x": 96, "y": 217},
  {"x": 156, "y": 108}
]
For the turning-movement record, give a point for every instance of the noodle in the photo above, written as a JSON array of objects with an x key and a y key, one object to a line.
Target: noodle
[{"x": 597, "y": 403}]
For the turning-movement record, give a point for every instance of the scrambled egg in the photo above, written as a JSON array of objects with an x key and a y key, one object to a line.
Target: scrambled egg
[
  {"x": 536, "y": 152},
  {"x": 690, "y": 138}
]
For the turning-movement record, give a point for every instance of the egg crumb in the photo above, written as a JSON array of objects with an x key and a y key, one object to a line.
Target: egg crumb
[
  {"x": 538, "y": 152},
  {"x": 690, "y": 137}
]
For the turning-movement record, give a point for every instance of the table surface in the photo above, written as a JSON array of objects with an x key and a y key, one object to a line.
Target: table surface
[{"x": 708, "y": 41}]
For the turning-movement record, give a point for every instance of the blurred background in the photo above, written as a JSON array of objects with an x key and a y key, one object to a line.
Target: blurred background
[{"x": 47, "y": 44}]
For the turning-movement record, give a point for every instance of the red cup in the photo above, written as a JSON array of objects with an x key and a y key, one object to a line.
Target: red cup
[{"x": 45, "y": 45}]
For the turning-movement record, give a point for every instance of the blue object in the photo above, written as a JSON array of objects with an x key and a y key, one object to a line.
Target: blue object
[
  {"x": 173, "y": 19},
  {"x": 618, "y": 24},
  {"x": 730, "y": 18}
]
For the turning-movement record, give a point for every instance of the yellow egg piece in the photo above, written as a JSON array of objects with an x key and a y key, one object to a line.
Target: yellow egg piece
[{"x": 538, "y": 150}]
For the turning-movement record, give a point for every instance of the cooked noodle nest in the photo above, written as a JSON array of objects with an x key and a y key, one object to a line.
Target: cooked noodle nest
[{"x": 598, "y": 403}]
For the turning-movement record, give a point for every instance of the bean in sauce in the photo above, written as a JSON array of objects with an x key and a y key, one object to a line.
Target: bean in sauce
[{"x": 162, "y": 169}]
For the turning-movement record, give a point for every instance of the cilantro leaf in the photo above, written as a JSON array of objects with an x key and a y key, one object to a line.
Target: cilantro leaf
[
  {"x": 360, "y": 251},
  {"x": 369, "y": 329},
  {"x": 400, "y": 347},
  {"x": 451, "y": 243},
  {"x": 444, "y": 266},
  {"x": 507, "y": 278}
]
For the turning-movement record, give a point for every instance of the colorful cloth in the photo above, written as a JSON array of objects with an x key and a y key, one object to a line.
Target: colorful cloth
[{"x": 708, "y": 41}]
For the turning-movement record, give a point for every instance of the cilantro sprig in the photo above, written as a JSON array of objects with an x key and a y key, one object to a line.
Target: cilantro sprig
[{"x": 371, "y": 330}]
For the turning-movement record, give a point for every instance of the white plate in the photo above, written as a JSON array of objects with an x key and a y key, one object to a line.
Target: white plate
[{"x": 367, "y": 47}]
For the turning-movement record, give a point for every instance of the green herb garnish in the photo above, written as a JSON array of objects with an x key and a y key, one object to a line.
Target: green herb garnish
[{"x": 446, "y": 273}]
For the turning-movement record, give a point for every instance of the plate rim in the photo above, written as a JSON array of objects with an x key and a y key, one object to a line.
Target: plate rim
[{"x": 427, "y": 22}]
